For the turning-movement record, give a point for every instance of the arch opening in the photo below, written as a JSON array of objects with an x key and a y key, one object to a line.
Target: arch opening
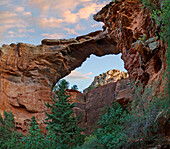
[{"x": 84, "y": 75}]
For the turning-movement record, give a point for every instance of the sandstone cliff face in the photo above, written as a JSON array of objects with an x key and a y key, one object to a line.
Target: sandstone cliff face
[
  {"x": 28, "y": 73},
  {"x": 126, "y": 22},
  {"x": 106, "y": 78},
  {"x": 102, "y": 97}
]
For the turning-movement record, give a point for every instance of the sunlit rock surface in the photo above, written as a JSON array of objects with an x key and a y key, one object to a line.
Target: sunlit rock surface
[{"x": 106, "y": 78}]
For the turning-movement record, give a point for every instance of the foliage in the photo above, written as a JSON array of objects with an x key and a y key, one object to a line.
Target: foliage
[
  {"x": 74, "y": 87},
  {"x": 9, "y": 137},
  {"x": 148, "y": 4},
  {"x": 111, "y": 133},
  {"x": 143, "y": 38},
  {"x": 91, "y": 87},
  {"x": 61, "y": 120},
  {"x": 35, "y": 139},
  {"x": 64, "y": 82},
  {"x": 90, "y": 143},
  {"x": 118, "y": 128},
  {"x": 162, "y": 17},
  {"x": 145, "y": 112}
]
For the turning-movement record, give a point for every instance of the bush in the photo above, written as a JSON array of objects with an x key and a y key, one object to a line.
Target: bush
[
  {"x": 162, "y": 17},
  {"x": 91, "y": 142},
  {"x": 120, "y": 129},
  {"x": 111, "y": 133},
  {"x": 146, "y": 110}
]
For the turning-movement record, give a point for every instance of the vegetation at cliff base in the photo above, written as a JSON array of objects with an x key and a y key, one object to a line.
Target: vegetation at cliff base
[
  {"x": 8, "y": 134},
  {"x": 63, "y": 132}
]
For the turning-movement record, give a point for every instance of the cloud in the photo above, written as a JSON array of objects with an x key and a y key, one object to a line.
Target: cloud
[
  {"x": 84, "y": 13},
  {"x": 55, "y": 5},
  {"x": 51, "y": 22},
  {"x": 54, "y": 36},
  {"x": 76, "y": 75},
  {"x": 27, "y": 13},
  {"x": 70, "y": 17},
  {"x": 19, "y": 9},
  {"x": 71, "y": 31},
  {"x": 25, "y": 30},
  {"x": 6, "y": 15},
  {"x": 47, "y": 18},
  {"x": 65, "y": 11},
  {"x": 6, "y": 2},
  {"x": 11, "y": 20},
  {"x": 97, "y": 24},
  {"x": 20, "y": 33},
  {"x": 11, "y": 32},
  {"x": 80, "y": 27}
]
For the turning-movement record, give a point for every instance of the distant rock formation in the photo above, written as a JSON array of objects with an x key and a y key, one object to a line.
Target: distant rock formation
[{"x": 106, "y": 78}]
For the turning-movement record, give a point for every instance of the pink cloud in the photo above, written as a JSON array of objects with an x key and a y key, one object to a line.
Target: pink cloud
[
  {"x": 77, "y": 75},
  {"x": 71, "y": 31},
  {"x": 80, "y": 27},
  {"x": 25, "y": 30},
  {"x": 70, "y": 17},
  {"x": 27, "y": 13},
  {"x": 11, "y": 32},
  {"x": 52, "y": 22},
  {"x": 19, "y": 9},
  {"x": 97, "y": 24},
  {"x": 84, "y": 13},
  {"x": 54, "y": 36}
]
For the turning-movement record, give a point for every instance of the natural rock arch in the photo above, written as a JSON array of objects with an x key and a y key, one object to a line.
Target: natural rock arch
[{"x": 28, "y": 72}]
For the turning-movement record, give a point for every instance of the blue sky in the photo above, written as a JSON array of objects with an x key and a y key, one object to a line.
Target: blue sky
[
  {"x": 30, "y": 21},
  {"x": 93, "y": 66}
]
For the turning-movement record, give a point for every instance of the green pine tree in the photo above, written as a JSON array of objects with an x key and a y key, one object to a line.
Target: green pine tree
[
  {"x": 35, "y": 139},
  {"x": 74, "y": 87},
  {"x": 9, "y": 137},
  {"x": 61, "y": 120}
]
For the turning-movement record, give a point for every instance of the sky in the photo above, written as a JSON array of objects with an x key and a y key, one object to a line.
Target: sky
[{"x": 31, "y": 21}]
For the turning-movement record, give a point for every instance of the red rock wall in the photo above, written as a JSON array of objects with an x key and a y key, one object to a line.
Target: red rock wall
[
  {"x": 102, "y": 97},
  {"x": 125, "y": 22}
]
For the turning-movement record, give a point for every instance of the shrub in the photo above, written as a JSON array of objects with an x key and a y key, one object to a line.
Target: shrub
[
  {"x": 146, "y": 109},
  {"x": 111, "y": 133},
  {"x": 90, "y": 143},
  {"x": 162, "y": 17}
]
